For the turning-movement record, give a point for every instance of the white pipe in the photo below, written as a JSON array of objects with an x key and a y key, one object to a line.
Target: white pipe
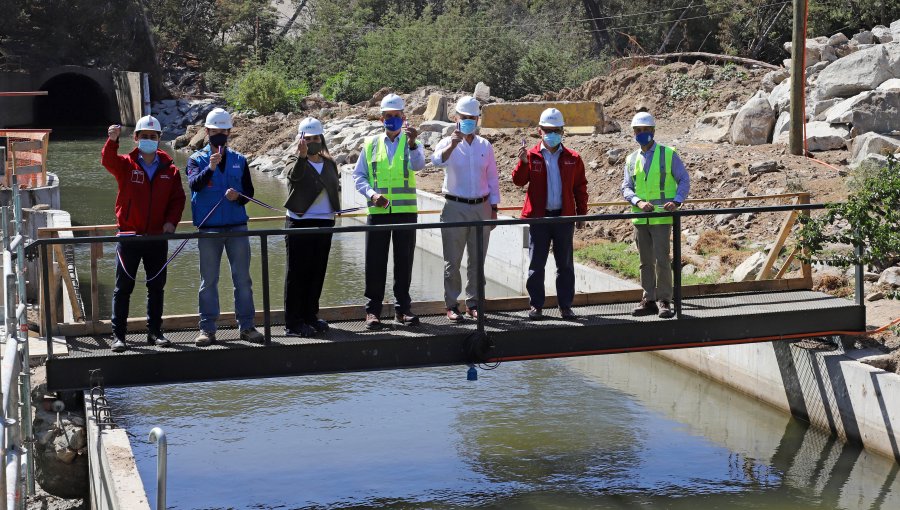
[{"x": 159, "y": 437}]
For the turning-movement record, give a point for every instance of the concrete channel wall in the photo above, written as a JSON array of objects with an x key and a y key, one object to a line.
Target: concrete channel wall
[
  {"x": 830, "y": 389},
  {"x": 114, "y": 478}
]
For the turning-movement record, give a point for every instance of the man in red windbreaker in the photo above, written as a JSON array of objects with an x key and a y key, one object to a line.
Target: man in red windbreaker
[
  {"x": 150, "y": 202},
  {"x": 557, "y": 186}
]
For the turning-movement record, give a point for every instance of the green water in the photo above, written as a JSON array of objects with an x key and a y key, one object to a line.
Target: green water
[{"x": 622, "y": 431}]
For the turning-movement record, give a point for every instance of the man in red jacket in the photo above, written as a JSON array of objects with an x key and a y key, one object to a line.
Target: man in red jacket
[
  {"x": 557, "y": 186},
  {"x": 150, "y": 202}
]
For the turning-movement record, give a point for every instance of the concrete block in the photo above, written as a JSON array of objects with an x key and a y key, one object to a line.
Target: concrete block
[
  {"x": 437, "y": 108},
  {"x": 577, "y": 114}
]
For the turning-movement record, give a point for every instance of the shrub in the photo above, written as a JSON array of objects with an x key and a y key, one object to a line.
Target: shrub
[{"x": 260, "y": 89}]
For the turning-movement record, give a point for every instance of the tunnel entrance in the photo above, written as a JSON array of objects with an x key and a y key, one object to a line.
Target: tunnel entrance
[{"x": 73, "y": 100}]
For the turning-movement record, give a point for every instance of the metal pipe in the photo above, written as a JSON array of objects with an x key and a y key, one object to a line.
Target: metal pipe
[
  {"x": 479, "y": 248},
  {"x": 159, "y": 437},
  {"x": 676, "y": 263},
  {"x": 26, "y": 348},
  {"x": 45, "y": 307},
  {"x": 15, "y": 242},
  {"x": 860, "y": 280},
  {"x": 267, "y": 322}
]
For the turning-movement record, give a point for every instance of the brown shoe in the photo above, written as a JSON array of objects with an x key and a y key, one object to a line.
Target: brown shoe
[
  {"x": 665, "y": 310},
  {"x": 472, "y": 312},
  {"x": 372, "y": 321},
  {"x": 646, "y": 307},
  {"x": 406, "y": 318},
  {"x": 453, "y": 315}
]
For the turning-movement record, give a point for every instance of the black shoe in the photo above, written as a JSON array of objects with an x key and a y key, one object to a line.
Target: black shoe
[
  {"x": 535, "y": 314},
  {"x": 303, "y": 331},
  {"x": 566, "y": 313},
  {"x": 319, "y": 325},
  {"x": 118, "y": 344},
  {"x": 406, "y": 318},
  {"x": 158, "y": 339}
]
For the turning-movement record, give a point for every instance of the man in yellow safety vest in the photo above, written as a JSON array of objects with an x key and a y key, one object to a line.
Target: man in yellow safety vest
[
  {"x": 655, "y": 180},
  {"x": 384, "y": 174}
]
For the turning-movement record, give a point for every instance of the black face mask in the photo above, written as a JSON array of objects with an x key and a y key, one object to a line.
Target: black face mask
[
  {"x": 218, "y": 140},
  {"x": 313, "y": 148}
]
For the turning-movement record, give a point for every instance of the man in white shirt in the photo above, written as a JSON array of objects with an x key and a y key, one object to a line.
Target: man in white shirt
[{"x": 472, "y": 193}]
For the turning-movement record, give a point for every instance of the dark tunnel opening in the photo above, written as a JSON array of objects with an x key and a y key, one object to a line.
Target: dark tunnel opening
[{"x": 72, "y": 100}]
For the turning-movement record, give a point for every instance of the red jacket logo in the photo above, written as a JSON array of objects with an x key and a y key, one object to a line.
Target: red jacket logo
[{"x": 137, "y": 176}]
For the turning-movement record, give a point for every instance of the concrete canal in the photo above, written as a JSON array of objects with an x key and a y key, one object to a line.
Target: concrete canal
[{"x": 616, "y": 431}]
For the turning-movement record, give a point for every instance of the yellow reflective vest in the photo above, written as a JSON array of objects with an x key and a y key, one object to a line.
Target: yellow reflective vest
[
  {"x": 393, "y": 179},
  {"x": 656, "y": 185}
]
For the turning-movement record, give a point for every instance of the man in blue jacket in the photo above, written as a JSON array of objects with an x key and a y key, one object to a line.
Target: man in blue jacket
[{"x": 219, "y": 179}]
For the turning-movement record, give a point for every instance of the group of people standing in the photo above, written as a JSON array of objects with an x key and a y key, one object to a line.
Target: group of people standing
[{"x": 151, "y": 200}]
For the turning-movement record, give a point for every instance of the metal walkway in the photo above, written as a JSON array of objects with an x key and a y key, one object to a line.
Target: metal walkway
[{"x": 607, "y": 328}]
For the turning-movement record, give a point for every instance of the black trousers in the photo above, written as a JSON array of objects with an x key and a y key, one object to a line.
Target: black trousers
[
  {"x": 153, "y": 254},
  {"x": 307, "y": 262},
  {"x": 377, "y": 246}
]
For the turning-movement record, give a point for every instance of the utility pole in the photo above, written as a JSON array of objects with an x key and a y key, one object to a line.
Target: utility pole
[{"x": 798, "y": 78}]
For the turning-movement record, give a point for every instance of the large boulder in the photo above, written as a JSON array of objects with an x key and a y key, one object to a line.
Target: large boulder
[
  {"x": 773, "y": 78},
  {"x": 875, "y": 110},
  {"x": 819, "y": 109},
  {"x": 715, "y": 127},
  {"x": 780, "y": 97},
  {"x": 754, "y": 122},
  {"x": 437, "y": 107},
  {"x": 855, "y": 73},
  {"x": 749, "y": 268},
  {"x": 890, "y": 277},
  {"x": 890, "y": 85},
  {"x": 871, "y": 143},
  {"x": 436, "y": 126},
  {"x": 882, "y": 34},
  {"x": 895, "y": 29},
  {"x": 838, "y": 39},
  {"x": 864, "y": 37},
  {"x": 482, "y": 92},
  {"x": 782, "y": 125},
  {"x": 822, "y": 136}
]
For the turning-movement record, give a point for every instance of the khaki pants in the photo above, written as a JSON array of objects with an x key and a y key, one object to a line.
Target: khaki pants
[
  {"x": 455, "y": 240},
  {"x": 653, "y": 243}
]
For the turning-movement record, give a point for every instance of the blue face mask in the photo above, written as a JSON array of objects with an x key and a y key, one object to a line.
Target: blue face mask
[
  {"x": 644, "y": 138},
  {"x": 468, "y": 126},
  {"x": 552, "y": 139},
  {"x": 393, "y": 123},
  {"x": 148, "y": 146}
]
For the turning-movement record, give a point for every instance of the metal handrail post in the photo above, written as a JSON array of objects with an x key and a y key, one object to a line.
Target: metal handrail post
[
  {"x": 158, "y": 436},
  {"x": 479, "y": 247},
  {"x": 267, "y": 314},
  {"x": 860, "y": 280},
  {"x": 676, "y": 263},
  {"x": 45, "y": 293},
  {"x": 22, "y": 325}
]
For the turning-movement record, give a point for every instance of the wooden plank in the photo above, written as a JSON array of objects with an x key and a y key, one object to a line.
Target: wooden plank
[
  {"x": 28, "y": 170},
  {"x": 783, "y": 234},
  {"x": 353, "y": 312},
  {"x": 805, "y": 268},
  {"x": 54, "y": 293},
  {"x": 30, "y": 145},
  {"x": 67, "y": 281},
  {"x": 787, "y": 264}
]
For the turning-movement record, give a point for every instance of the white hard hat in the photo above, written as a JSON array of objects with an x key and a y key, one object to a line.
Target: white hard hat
[
  {"x": 551, "y": 117},
  {"x": 392, "y": 102},
  {"x": 643, "y": 119},
  {"x": 468, "y": 105},
  {"x": 310, "y": 126},
  {"x": 218, "y": 119},
  {"x": 148, "y": 123}
]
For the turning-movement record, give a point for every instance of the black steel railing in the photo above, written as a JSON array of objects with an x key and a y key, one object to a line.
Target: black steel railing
[{"x": 42, "y": 247}]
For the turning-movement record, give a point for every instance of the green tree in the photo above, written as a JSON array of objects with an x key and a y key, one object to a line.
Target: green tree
[{"x": 869, "y": 220}]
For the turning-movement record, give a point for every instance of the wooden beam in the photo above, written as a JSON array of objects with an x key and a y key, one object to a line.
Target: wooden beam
[
  {"x": 704, "y": 55},
  {"x": 798, "y": 79},
  {"x": 783, "y": 234},
  {"x": 67, "y": 281},
  {"x": 787, "y": 264},
  {"x": 358, "y": 312}
]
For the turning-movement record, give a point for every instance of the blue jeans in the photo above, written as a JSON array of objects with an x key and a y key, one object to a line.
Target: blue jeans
[{"x": 238, "y": 251}]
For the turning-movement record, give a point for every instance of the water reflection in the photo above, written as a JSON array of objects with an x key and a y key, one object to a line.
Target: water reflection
[{"x": 584, "y": 433}]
